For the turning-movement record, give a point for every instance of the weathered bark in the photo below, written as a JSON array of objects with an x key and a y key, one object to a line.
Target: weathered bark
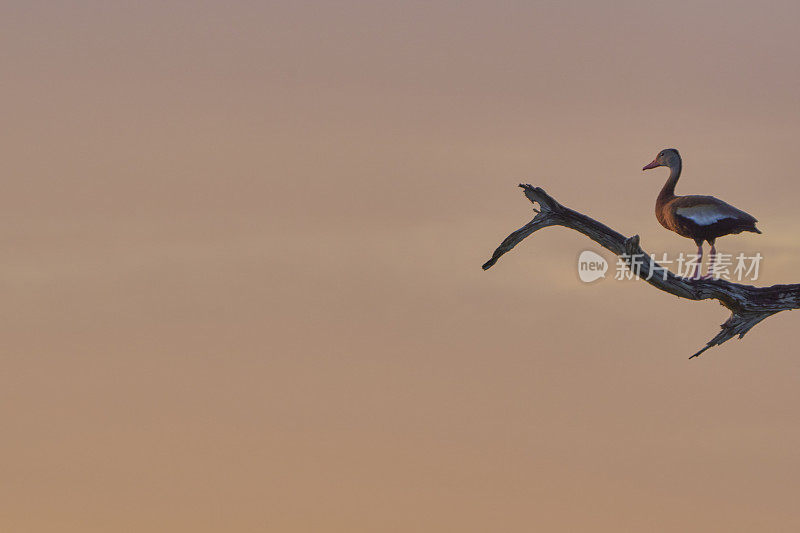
[{"x": 748, "y": 305}]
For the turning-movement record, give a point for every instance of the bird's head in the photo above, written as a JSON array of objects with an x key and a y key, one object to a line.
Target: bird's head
[{"x": 667, "y": 157}]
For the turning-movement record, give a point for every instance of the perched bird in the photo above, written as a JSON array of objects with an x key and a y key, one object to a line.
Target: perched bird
[{"x": 700, "y": 218}]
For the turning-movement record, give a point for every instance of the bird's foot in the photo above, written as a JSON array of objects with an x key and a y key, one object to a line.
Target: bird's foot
[{"x": 711, "y": 274}]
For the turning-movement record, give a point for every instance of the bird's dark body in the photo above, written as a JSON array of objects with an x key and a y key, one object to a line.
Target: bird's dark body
[{"x": 703, "y": 218}]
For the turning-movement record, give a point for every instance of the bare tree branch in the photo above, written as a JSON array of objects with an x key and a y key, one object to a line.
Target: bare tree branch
[{"x": 748, "y": 305}]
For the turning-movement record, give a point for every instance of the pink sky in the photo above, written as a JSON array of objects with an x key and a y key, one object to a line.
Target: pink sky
[{"x": 242, "y": 286}]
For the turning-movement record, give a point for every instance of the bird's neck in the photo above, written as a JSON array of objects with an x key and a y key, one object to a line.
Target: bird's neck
[{"x": 668, "y": 191}]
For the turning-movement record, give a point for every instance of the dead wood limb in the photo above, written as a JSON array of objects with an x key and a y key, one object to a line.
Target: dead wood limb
[{"x": 748, "y": 305}]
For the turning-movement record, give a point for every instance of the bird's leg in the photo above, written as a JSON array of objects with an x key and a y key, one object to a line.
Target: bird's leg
[
  {"x": 711, "y": 260},
  {"x": 696, "y": 273}
]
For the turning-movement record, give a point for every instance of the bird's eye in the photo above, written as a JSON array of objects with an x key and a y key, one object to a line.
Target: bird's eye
[{"x": 661, "y": 154}]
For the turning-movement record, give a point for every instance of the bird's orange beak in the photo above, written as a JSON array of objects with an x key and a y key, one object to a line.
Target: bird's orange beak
[{"x": 652, "y": 164}]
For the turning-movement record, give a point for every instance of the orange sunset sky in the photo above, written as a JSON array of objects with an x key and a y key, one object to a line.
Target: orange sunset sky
[{"x": 241, "y": 284}]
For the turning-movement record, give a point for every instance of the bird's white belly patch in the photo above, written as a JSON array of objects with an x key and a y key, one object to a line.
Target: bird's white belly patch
[{"x": 701, "y": 215}]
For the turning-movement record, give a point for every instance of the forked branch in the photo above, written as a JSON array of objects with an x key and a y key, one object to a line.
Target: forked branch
[{"x": 748, "y": 305}]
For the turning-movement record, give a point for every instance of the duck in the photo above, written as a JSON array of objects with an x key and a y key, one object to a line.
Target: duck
[{"x": 700, "y": 218}]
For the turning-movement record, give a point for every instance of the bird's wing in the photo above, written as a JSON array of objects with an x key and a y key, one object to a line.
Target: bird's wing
[{"x": 707, "y": 210}]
